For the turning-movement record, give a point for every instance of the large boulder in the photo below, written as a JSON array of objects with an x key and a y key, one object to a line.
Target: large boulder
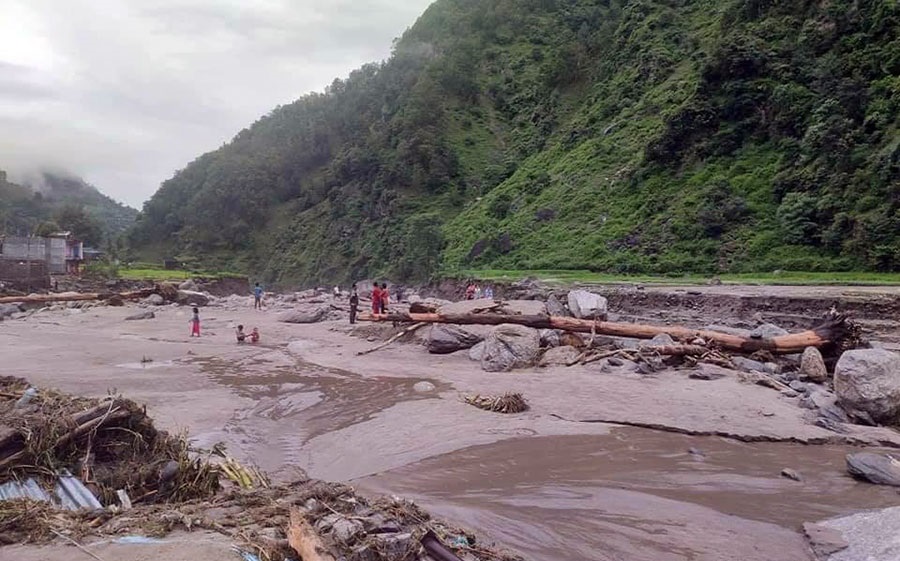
[
  {"x": 312, "y": 315},
  {"x": 189, "y": 285},
  {"x": 875, "y": 468},
  {"x": 154, "y": 300},
  {"x": 587, "y": 305},
  {"x": 191, "y": 298},
  {"x": 147, "y": 314},
  {"x": 812, "y": 365},
  {"x": 559, "y": 356},
  {"x": 7, "y": 310},
  {"x": 445, "y": 339},
  {"x": 867, "y": 384},
  {"x": 510, "y": 346}
]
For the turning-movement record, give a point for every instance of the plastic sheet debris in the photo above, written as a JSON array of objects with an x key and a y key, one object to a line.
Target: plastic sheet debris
[{"x": 137, "y": 540}]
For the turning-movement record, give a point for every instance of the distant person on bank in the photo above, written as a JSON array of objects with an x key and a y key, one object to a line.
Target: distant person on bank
[
  {"x": 257, "y": 297},
  {"x": 354, "y": 303},
  {"x": 385, "y": 298}
]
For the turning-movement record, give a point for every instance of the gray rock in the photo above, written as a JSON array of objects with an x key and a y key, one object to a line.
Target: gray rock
[
  {"x": 871, "y": 535},
  {"x": 823, "y": 540},
  {"x": 729, "y": 330},
  {"x": 313, "y": 315},
  {"x": 704, "y": 371},
  {"x": 510, "y": 346},
  {"x": 767, "y": 331},
  {"x": 875, "y": 468},
  {"x": 445, "y": 338},
  {"x": 549, "y": 338},
  {"x": 867, "y": 383},
  {"x": 660, "y": 340},
  {"x": 424, "y": 387},
  {"x": 789, "y": 393},
  {"x": 748, "y": 365},
  {"x": 148, "y": 314},
  {"x": 559, "y": 356},
  {"x": 154, "y": 300},
  {"x": 523, "y": 308},
  {"x": 812, "y": 365},
  {"x": 791, "y": 474},
  {"x": 476, "y": 352},
  {"x": 799, "y": 386},
  {"x": 587, "y": 305},
  {"x": 191, "y": 298},
  {"x": 189, "y": 285},
  {"x": 826, "y": 403},
  {"x": 7, "y": 310},
  {"x": 555, "y": 307},
  {"x": 626, "y": 343}
]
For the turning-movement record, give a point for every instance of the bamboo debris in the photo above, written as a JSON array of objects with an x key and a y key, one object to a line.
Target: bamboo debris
[{"x": 829, "y": 334}]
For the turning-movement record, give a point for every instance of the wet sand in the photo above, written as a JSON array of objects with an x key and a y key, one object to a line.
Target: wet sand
[{"x": 549, "y": 487}]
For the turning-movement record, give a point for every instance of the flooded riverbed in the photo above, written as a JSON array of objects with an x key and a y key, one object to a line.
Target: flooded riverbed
[{"x": 637, "y": 495}]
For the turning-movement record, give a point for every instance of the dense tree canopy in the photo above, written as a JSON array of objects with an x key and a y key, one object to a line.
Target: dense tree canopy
[{"x": 624, "y": 135}]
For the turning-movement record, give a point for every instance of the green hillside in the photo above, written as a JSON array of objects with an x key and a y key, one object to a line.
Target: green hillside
[
  {"x": 644, "y": 136},
  {"x": 51, "y": 201}
]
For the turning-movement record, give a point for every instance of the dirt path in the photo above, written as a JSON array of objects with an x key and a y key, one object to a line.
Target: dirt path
[{"x": 305, "y": 400}]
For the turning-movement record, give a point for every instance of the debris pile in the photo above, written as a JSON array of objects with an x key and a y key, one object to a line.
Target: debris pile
[
  {"x": 507, "y": 403},
  {"x": 150, "y": 483}
]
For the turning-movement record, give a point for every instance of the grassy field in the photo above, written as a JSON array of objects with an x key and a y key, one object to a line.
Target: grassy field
[
  {"x": 168, "y": 275},
  {"x": 781, "y": 278}
]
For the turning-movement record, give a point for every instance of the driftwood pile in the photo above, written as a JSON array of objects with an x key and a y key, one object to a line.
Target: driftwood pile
[{"x": 111, "y": 444}]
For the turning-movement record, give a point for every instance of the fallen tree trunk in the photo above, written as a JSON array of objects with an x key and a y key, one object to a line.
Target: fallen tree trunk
[
  {"x": 825, "y": 336},
  {"x": 75, "y": 297},
  {"x": 304, "y": 539}
]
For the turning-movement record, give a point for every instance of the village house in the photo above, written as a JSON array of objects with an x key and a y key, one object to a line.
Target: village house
[{"x": 31, "y": 260}]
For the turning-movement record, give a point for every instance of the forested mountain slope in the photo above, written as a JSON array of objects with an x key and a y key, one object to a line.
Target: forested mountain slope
[
  {"x": 629, "y": 136},
  {"x": 48, "y": 201}
]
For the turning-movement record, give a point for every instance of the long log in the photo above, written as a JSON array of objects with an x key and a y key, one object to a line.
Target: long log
[
  {"x": 75, "y": 297},
  {"x": 830, "y": 332}
]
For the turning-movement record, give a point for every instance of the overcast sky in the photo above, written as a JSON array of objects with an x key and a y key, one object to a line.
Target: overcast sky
[{"x": 125, "y": 92}]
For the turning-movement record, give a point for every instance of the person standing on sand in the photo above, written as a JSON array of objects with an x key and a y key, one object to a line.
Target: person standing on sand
[
  {"x": 354, "y": 304},
  {"x": 385, "y": 298},
  {"x": 257, "y": 297},
  {"x": 376, "y": 298},
  {"x": 195, "y": 323}
]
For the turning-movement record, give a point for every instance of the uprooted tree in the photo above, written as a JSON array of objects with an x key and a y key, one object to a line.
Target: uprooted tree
[{"x": 835, "y": 333}]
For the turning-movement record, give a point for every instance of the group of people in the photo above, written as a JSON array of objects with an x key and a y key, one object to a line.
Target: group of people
[
  {"x": 475, "y": 292},
  {"x": 242, "y": 337},
  {"x": 381, "y": 297}
]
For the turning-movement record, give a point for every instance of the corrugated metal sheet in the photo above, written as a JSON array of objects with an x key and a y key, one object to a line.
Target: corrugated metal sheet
[
  {"x": 69, "y": 493},
  {"x": 73, "y": 495},
  {"x": 27, "y": 490}
]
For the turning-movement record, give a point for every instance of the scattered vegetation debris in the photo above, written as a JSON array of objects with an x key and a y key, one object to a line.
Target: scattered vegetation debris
[{"x": 507, "y": 403}]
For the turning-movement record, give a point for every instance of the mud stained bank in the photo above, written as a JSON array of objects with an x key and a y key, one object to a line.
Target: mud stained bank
[{"x": 638, "y": 495}]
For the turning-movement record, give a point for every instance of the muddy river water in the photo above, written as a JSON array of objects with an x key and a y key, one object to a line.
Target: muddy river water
[{"x": 632, "y": 494}]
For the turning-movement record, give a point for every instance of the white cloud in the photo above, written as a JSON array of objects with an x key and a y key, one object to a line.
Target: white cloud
[{"x": 123, "y": 93}]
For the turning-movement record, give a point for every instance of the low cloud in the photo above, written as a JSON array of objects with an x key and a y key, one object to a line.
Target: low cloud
[{"x": 125, "y": 93}]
